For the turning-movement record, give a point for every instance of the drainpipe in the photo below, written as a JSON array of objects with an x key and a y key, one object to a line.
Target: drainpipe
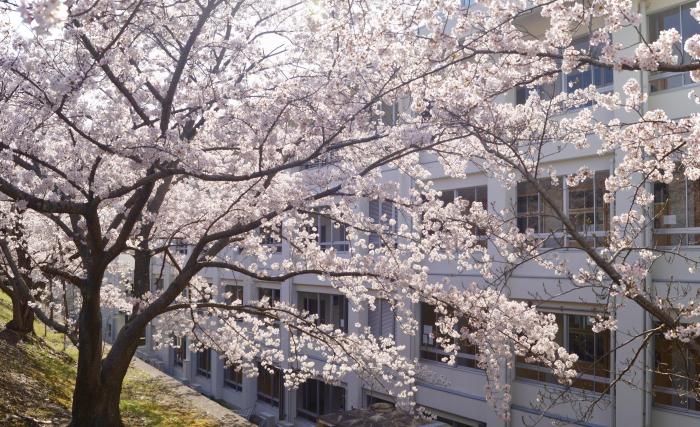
[{"x": 648, "y": 356}]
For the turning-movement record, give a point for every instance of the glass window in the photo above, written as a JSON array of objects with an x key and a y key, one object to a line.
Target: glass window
[
  {"x": 469, "y": 195},
  {"x": 272, "y": 294},
  {"x": 534, "y": 213},
  {"x": 679, "y": 18},
  {"x": 601, "y": 77},
  {"x": 677, "y": 211},
  {"x": 381, "y": 320},
  {"x": 430, "y": 349},
  {"x": 204, "y": 363},
  {"x": 676, "y": 373},
  {"x": 269, "y": 385},
  {"x": 576, "y": 335},
  {"x": 179, "y": 350},
  {"x": 331, "y": 234},
  {"x": 587, "y": 210},
  {"x": 382, "y": 212},
  {"x": 331, "y": 309},
  {"x": 233, "y": 377},
  {"x": 316, "y": 398},
  {"x": 233, "y": 293},
  {"x": 271, "y": 237}
]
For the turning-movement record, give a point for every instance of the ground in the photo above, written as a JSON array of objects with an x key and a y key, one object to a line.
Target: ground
[{"x": 36, "y": 383}]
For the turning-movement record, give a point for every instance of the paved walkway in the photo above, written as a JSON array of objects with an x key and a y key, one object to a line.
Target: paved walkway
[{"x": 180, "y": 391}]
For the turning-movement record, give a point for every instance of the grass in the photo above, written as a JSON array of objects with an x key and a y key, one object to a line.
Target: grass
[{"x": 37, "y": 378}]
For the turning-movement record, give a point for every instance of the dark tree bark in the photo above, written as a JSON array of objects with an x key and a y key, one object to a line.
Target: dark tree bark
[
  {"x": 99, "y": 381},
  {"x": 22, "y": 323}
]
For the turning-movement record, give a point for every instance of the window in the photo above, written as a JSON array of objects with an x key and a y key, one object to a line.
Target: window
[
  {"x": 316, "y": 398},
  {"x": 331, "y": 309},
  {"x": 576, "y": 336},
  {"x": 233, "y": 377},
  {"x": 329, "y": 154},
  {"x": 233, "y": 293},
  {"x": 372, "y": 399},
  {"x": 454, "y": 423},
  {"x": 383, "y": 212},
  {"x": 179, "y": 350},
  {"x": 675, "y": 375},
  {"x": 677, "y": 211},
  {"x": 331, "y": 234},
  {"x": 273, "y": 294},
  {"x": 157, "y": 284},
  {"x": 430, "y": 349},
  {"x": 269, "y": 385},
  {"x": 470, "y": 195},
  {"x": 585, "y": 208},
  {"x": 389, "y": 111},
  {"x": 179, "y": 246},
  {"x": 381, "y": 320},
  {"x": 601, "y": 77},
  {"x": 679, "y": 18},
  {"x": 534, "y": 213},
  {"x": 204, "y": 363},
  {"x": 270, "y": 238}
]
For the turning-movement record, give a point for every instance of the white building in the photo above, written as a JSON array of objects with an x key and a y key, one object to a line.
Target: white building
[{"x": 649, "y": 401}]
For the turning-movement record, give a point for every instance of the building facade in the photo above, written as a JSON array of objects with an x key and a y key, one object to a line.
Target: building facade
[{"x": 647, "y": 400}]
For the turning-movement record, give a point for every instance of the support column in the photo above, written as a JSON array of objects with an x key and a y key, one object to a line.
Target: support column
[
  {"x": 630, "y": 396},
  {"x": 288, "y": 405},
  {"x": 250, "y": 385},
  {"x": 353, "y": 389}
]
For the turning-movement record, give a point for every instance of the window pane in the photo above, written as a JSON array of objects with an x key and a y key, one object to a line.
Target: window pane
[
  {"x": 690, "y": 27},
  {"x": 693, "y": 203},
  {"x": 669, "y": 203},
  {"x": 664, "y": 21},
  {"x": 602, "y": 213},
  {"x": 448, "y": 196},
  {"x": 550, "y": 222},
  {"x": 324, "y": 229},
  {"x": 528, "y": 207}
]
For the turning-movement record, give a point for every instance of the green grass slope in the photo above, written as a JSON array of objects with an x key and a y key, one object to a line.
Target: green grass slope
[{"x": 36, "y": 385}]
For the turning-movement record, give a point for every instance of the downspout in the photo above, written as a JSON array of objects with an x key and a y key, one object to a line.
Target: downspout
[{"x": 648, "y": 356}]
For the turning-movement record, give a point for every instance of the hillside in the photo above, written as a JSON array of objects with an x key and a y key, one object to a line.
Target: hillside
[{"x": 36, "y": 383}]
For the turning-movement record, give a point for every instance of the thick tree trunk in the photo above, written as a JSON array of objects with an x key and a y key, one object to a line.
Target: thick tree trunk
[
  {"x": 22, "y": 323},
  {"x": 142, "y": 267},
  {"x": 99, "y": 382},
  {"x": 92, "y": 397}
]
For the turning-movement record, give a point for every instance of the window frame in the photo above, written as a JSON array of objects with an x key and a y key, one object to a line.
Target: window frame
[
  {"x": 393, "y": 213},
  {"x": 233, "y": 377},
  {"x": 204, "y": 369},
  {"x": 560, "y": 238},
  {"x": 338, "y": 245},
  {"x": 179, "y": 350},
  {"x": 236, "y": 293},
  {"x": 342, "y": 306},
  {"x": 430, "y": 350},
  {"x": 654, "y": 76},
  {"x": 561, "y": 83},
  {"x": 690, "y": 394},
  {"x": 599, "y": 382},
  {"x": 382, "y": 305},
  {"x": 275, "y": 382},
  {"x": 322, "y": 389},
  {"x": 675, "y": 236}
]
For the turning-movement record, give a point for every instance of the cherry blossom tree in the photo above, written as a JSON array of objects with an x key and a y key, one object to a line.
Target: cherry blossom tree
[{"x": 132, "y": 126}]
